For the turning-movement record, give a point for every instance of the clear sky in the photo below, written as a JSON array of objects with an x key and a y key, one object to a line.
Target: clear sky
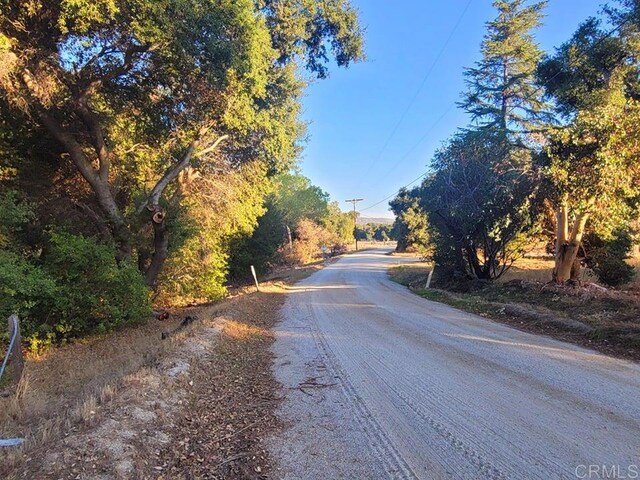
[{"x": 351, "y": 151}]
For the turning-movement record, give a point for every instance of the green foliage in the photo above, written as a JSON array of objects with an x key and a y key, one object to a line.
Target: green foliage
[
  {"x": 307, "y": 28},
  {"x": 62, "y": 285},
  {"x": 295, "y": 207},
  {"x": 142, "y": 85},
  {"x": 14, "y": 217},
  {"x": 592, "y": 163},
  {"x": 95, "y": 294},
  {"x": 219, "y": 217},
  {"x": 374, "y": 231},
  {"x": 606, "y": 257},
  {"x": 76, "y": 288},
  {"x": 340, "y": 224},
  {"x": 411, "y": 225},
  {"x": 577, "y": 74},
  {"x": 297, "y": 198},
  {"x": 477, "y": 217},
  {"x": 502, "y": 95},
  {"x": 25, "y": 289},
  {"x": 479, "y": 198}
]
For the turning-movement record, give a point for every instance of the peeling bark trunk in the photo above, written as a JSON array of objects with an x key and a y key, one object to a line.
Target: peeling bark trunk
[
  {"x": 567, "y": 266},
  {"x": 290, "y": 239}
]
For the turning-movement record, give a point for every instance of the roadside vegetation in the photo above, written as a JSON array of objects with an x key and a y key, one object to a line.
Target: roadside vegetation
[
  {"x": 550, "y": 154},
  {"x": 130, "y": 405},
  {"x": 148, "y": 154},
  {"x": 548, "y": 162},
  {"x": 595, "y": 317}
]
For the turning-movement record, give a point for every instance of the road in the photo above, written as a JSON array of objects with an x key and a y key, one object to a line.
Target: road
[{"x": 380, "y": 383}]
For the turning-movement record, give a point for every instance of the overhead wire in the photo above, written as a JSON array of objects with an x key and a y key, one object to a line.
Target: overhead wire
[
  {"x": 544, "y": 84},
  {"x": 416, "y": 94}
]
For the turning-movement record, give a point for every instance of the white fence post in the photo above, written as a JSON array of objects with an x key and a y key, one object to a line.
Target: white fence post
[
  {"x": 429, "y": 277},
  {"x": 255, "y": 278}
]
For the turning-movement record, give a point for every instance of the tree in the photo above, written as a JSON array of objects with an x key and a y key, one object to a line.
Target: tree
[
  {"x": 410, "y": 226},
  {"x": 139, "y": 95},
  {"x": 290, "y": 207},
  {"x": 479, "y": 198},
  {"x": 476, "y": 216},
  {"x": 593, "y": 161},
  {"x": 339, "y": 223},
  {"x": 501, "y": 93}
]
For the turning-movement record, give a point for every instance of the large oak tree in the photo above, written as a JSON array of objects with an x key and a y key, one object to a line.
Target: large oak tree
[{"x": 142, "y": 96}]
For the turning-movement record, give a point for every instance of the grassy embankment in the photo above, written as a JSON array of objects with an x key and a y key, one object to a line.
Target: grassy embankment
[
  {"x": 603, "y": 319},
  {"x": 128, "y": 402}
]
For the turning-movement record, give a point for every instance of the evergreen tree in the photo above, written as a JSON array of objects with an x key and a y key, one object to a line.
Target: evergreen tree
[{"x": 502, "y": 95}]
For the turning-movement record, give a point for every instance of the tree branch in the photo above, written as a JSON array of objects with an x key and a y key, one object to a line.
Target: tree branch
[
  {"x": 128, "y": 63},
  {"x": 171, "y": 174},
  {"x": 92, "y": 122}
]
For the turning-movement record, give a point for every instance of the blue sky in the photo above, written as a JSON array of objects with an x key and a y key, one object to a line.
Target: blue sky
[{"x": 352, "y": 114}]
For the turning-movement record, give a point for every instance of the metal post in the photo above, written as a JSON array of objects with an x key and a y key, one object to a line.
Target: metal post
[
  {"x": 255, "y": 278},
  {"x": 17, "y": 360},
  {"x": 355, "y": 218},
  {"x": 429, "y": 277}
]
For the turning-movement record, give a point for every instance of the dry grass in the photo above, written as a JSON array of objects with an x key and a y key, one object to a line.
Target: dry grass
[
  {"x": 64, "y": 386},
  {"x": 366, "y": 244},
  {"x": 525, "y": 299},
  {"x": 234, "y": 398},
  {"x": 72, "y": 389},
  {"x": 538, "y": 269},
  {"x": 634, "y": 285}
]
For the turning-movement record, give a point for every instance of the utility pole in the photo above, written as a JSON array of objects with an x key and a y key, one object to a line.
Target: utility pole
[{"x": 355, "y": 218}]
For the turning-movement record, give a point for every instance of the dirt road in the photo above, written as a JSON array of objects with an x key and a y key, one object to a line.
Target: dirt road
[{"x": 380, "y": 383}]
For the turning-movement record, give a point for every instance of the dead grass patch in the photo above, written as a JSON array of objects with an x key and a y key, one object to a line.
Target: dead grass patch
[
  {"x": 107, "y": 406},
  {"x": 606, "y": 320}
]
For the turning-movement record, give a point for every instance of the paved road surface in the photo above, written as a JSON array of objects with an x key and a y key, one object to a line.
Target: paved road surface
[{"x": 380, "y": 383}]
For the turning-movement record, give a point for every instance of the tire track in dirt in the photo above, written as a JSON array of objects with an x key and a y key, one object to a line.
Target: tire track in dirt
[{"x": 440, "y": 393}]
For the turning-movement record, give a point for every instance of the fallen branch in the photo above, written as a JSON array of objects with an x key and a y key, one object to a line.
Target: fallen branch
[
  {"x": 232, "y": 458},
  {"x": 187, "y": 320}
]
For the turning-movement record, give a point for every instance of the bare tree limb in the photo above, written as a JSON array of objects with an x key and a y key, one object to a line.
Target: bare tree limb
[{"x": 172, "y": 173}]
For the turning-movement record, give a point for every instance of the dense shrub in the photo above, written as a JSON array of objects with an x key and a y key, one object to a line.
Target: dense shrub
[
  {"x": 75, "y": 288},
  {"x": 25, "y": 290},
  {"x": 606, "y": 257},
  {"x": 307, "y": 244}
]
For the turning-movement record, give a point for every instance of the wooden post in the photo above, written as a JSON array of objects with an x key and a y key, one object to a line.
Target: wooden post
[
  {"x": 289, "y": 237},
  {"x": 17, "y": 360},
  {"x": 255, "y": 278},
  {"x": 429, "y": 278}
]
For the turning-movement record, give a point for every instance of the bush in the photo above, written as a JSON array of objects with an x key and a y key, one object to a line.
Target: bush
[
  {"x": 195, "y": 273},
  {"x": 25, "y": 290},
  {"x": 75, "y": 289},
  {"x": 309, "y": 240},
  {"x": 606, "y": 257},
  {"x": 95, "y": 293}
]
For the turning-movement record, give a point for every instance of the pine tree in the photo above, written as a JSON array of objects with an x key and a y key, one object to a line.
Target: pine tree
[{"x": 502, "y": 95}]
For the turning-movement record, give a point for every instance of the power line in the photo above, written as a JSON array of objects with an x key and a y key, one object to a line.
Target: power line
[
  {"x": 355, "y": 217},
  {"x": 422, "y": 138},
  {"x": 544, "y": 84},
  {"x": 415, "y": 95},
  {"x": 396, "y": 192}
]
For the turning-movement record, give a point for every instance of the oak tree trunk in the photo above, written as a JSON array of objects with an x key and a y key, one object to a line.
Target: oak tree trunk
[{"x": 160, "y": 245}]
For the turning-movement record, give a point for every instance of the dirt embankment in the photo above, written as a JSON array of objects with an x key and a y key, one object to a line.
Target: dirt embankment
[
  {"x": 603, "y": 319},
  {"x": 130, "y": 405}
]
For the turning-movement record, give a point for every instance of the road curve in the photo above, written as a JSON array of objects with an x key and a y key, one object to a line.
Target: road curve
[{"x": 380, "y": 383}]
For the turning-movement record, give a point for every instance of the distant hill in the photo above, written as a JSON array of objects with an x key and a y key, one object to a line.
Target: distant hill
[{"x": 382, "y": 220}]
